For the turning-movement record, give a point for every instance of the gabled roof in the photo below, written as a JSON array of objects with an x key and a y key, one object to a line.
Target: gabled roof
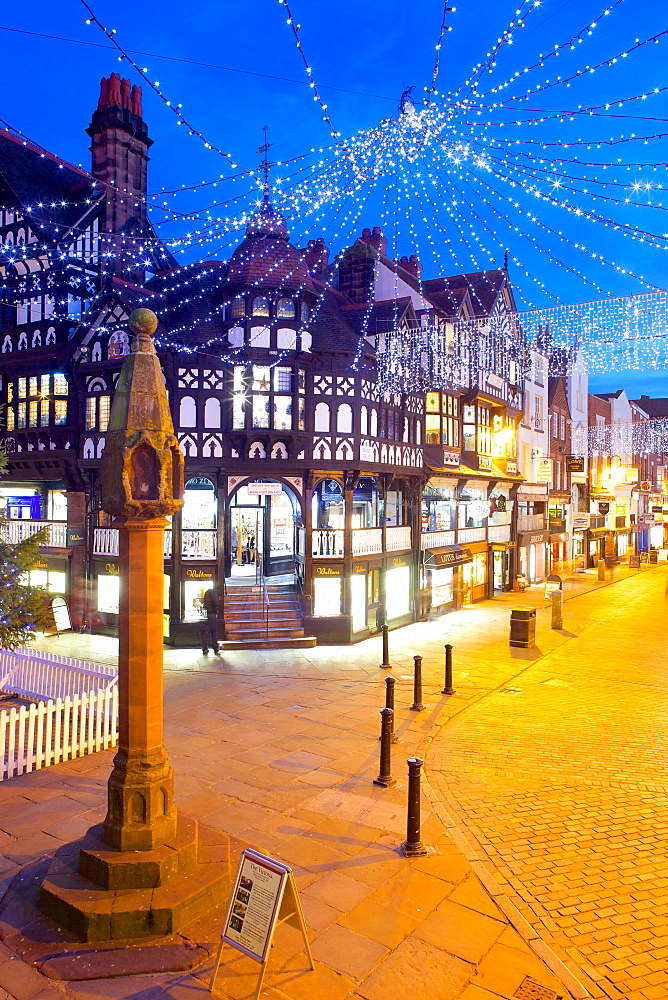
[
  {"x": 30, "y": 175},
  {"x": 653, "y": 407},
  {"x": 368, "y": 319},
  {"x": 483, "y": 288}
]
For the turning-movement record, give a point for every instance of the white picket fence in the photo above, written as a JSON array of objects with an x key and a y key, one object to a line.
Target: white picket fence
[{"x": 76, "y": 711}]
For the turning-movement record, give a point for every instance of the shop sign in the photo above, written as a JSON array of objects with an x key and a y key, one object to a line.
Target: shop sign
[
  {"x": 581, "y": 521},
  {"x": 604, "y": 508},
  {"x": 496, "y": 381},
  {"x": 484, "y": 463},
  {"x": 657, "y": 510},
  {"x": 544, "y": 470},
  {"x": 535, "y": 538},
  {"x": 366, "y": 452},
  {"x": 450, "y": 457},
  {"x": 264, "y": 489},
  {"x": 198, "y": 574},
  {"x": 328, "y": 571},
  {"x": 645, "y": 518},
  {"x": 620, "y": 510},
  {"x": 632, "y": 475},
  {"x": 532, "y": 493},
  {"x": 75, "y": 536},
  {"x": 453, "y": 555},
  {"x": 38, "y": 564},
  {"x": 646, "y": 486},
  {"x": 575, "y": 464},
  {"x": 199, "y": 483},
  {"x": 497, "y": 504},
  {"x": 634, "y": 562},
  {"x": 111, "y": 569},
  {"x": 359, "y": 568},
  {"x": 398, "y": 561}
]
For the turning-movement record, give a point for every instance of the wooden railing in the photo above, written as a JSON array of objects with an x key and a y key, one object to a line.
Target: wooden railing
[
  {"x": 327, "y": 543},
  {"x": 16, "y": 530},
  {"x": 531, "y": 522},
  {"x": 436, "y": 539},
  {"x": 367, "y": 541},
  {"x": 398, "y": 538},
  {"x": 196, "y": 543}
]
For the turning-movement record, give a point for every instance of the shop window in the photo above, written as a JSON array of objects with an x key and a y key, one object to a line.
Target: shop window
[
  {"x": 397, "y": 592},
  {"x": 238, "y": 411},
  {"x": 327, "y": 506},
  {"x": 358, "y": 597},
  {"x": 393, "y": 508},
  {"x": 21, "y": 415},
  {"x": 261, "y": 378},
  {"x": 32, "y": 413},
  {"x": 344, "y": 419},
  {"x": 108, "y": 593},
  {"x": 260, "y": 305},
  {"x": 285, "y": 309},
  {"x": 187, "y": 412},
  {"x": 322, "y": 418},
  {"x": 91, "y": 413},
  {"x": 212, "y": 412},
  {"x": 193, "y": 592},
  {"x": 326, "y": 597},
  {"x": 259, "y": 336},
  {"x": 441, "y": 586},
  {"x": 432, "y": 423},
  {"x": 286, "y": 339},
  {"x": 479, "y": 575},
  {"x": 57, "y": 582},
  {"x": 57, "y": 505}
]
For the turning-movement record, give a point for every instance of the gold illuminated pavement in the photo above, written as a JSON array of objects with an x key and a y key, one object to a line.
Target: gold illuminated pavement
[{"x": 545, "y": 797}]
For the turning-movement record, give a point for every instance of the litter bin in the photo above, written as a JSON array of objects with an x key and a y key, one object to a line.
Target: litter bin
[{"x": 523, "y": 627}]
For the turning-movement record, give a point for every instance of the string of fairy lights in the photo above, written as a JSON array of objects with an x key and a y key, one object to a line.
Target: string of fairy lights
[{"x": 447, "y": 179}]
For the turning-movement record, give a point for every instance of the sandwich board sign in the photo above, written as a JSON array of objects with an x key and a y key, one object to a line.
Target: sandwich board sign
[{"x": 264, "y": 895}]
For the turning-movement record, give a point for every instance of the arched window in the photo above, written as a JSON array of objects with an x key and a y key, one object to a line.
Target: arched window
[
  {"x": 405, "y": 428},
  {"x": 9, "y": 240},
  {"x": 237, "y": 307},
  {"x": 418, "y": 431},
  {"x": 322, "y": 418},
  {"x": 212, "y": 412},
  {"x": 364, "y": 421},
  {"x": 344, "y": 419},
  {"x": 51, "y": 335},
  {"x": 305, "y": 314},
  {"x": 374, "y": 424},
  {"x": 260, "y": 305},
  {"x": 285, "y": 309},
  {"x": 188, "y": 412},
  {"x": 36, "y": 339},
  {"x": 20, "y": 238}
]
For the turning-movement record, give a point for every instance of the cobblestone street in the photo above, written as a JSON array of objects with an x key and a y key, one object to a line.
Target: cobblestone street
[{"x": 559, "y": 780}]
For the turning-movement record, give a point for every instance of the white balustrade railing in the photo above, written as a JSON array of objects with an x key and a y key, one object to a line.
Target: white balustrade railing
[
  {"x": 465, "y": 535},
  {"x": 436, "y": 539},
  {"x": 34, "y": 673},
  {"x": 498, "y": 533},
  {"x": 367, "y": 541},
  {"x": 530, "y": 522},
  {"x": 398, "y": 538},
  {"x": 327, "y": 543},
  {"x": 17, "y": 529},
  {"x": 105, "y": 541}
]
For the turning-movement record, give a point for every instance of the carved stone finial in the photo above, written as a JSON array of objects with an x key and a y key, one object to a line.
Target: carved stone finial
[{"x": 142, "y": 464}]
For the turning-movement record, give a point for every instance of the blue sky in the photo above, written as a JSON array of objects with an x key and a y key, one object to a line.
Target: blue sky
[{"x": 363, "y": 57}]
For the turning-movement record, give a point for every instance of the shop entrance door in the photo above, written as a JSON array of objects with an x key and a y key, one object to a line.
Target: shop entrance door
[
  {"x": 467, "y": 583},
  {"x": 499, "y": 580},
  {"x": 247, "y": 541}
]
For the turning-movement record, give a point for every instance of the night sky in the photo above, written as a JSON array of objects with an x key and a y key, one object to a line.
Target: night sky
[{"x": 240, "y": 70}]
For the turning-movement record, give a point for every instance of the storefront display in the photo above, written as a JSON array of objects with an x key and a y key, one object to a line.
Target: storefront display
[
  {"x": 397, "y": 592},
  {"x": 358, "y": 598},
  {"x": 441, "y": 586},
  {"x": 326, "y": 596},
  {"x": 193, "y": 592},
  {"x": 108, "y": 592}
]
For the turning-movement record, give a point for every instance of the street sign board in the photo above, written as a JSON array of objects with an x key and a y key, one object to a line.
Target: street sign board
[
  {"x": 645, "y": 486},
  {"x": 575, "y": 464}
]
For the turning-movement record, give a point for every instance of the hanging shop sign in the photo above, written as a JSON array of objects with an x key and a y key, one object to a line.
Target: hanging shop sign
[
  {"x": 75, "y": 537},
  {"x": 575, "y": 464},
  {"x": 526, "y": 538},
  {"x": 544, "y": 470},
  {"x": 604, "y": 508},
  {"x": 450, "y": 555},
  {"x": 264, "y": 489},
  {"x": 645, "y": 519},
  {"x": 581, "y": 521},
  {"x": 646, "y": 486}
]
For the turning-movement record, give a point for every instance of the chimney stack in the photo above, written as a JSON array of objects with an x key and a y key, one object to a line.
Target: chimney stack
[
  {"x": 412, "y": 265},
  {"x": 375, "y": 239},
  {"x": 317, "y": 256}
]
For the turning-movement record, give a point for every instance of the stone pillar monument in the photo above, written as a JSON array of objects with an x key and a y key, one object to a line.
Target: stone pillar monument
[
  {"x": 142, "y": 481},
  {"x": 142, "y": 844}
]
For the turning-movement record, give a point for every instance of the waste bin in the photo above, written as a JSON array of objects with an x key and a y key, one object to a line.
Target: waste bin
[{"x": 523, "y": 627}]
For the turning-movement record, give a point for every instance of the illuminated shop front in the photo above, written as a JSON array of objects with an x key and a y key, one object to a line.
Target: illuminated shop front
[
  {"x": 327, "y": 591},
  {"x": 50, "y": 572},
  {"x": 397, "y": 588},
  {"x": 447, "y": 577},
  {"x": 532, "y": 549},
  {"x": 263, "y": 517}
]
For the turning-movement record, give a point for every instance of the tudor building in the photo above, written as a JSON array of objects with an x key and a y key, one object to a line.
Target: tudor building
[{"x": 340, "y": 505}]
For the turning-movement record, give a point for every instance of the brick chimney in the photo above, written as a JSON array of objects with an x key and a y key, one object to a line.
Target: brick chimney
[
  {"x": 375, "y": 239},
  {"x": 412, "y": 265},
  {"x": 119, "y": 147},
  {"x": 316, "y": 256}
]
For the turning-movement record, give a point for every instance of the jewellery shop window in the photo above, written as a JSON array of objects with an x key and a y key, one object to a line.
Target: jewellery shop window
[{"x": 479, "y": 569}]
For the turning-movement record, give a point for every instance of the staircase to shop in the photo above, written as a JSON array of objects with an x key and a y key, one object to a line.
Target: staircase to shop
[{"x": 263, "y": 616}]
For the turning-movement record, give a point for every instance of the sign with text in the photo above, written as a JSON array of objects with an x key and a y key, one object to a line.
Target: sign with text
[
  {"x": 264, "y": 489},
  {"x": 543, "y": 470},
  {"x": 581, "y": 521},
  {"x": 264, "y": 895},
  {"x": 575, "y": 464}
]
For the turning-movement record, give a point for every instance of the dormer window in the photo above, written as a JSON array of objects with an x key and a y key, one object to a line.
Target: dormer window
[
  {"x": 237, "y": 307},
  {"x": 260, "y": 305},
  {"x": 305, "y": 314},
  {"x": 285, "y": 309}
]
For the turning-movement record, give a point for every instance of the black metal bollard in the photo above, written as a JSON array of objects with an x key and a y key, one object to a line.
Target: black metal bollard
[
  {"x": 417, "y": 705},
  {"x": 389, "y": 703},
  {"x": 385, "y": 774},
  {"x": 447, "y": 687},
  {"x": 412, "y": 846},
  {"x": 386, "y": 647}
]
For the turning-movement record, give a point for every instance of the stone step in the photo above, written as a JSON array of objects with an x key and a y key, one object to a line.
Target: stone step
[
  {"x": 262, "y": 633},
  {"x": 298, "y": 642}
]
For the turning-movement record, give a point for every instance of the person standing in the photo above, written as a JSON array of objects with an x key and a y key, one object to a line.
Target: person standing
[{"x": 209, "y": 624}]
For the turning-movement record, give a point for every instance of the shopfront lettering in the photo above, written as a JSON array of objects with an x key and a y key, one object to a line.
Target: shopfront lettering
[
  {"x": 327, "y": 571},
  {"x": 360, "y": 569},
  {"x": 111, "y": 569},
  {"x": 399, "y": 562},
  {"x": 198, "y": 574}
]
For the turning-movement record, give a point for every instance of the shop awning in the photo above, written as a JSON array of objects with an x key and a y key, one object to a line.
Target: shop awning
[
  {"x": 448, "y": 555},
  {"x": 598, "y": 532},
  {"x": 525, "y": 538}
]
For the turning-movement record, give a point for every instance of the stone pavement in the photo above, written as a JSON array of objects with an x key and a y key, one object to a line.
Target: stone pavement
[{"x": 279, "y": 749}]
